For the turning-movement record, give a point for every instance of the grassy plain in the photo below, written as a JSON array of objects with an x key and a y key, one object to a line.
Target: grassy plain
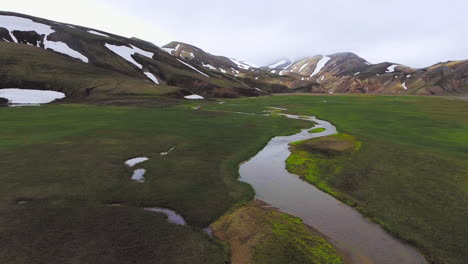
[{"x": 62, "y": 167}]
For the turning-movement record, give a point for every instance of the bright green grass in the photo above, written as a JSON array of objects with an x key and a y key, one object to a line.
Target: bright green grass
[
  {"x": 72, "y": 157},
  {"x": 317, "y": 130},
  {"x": 290, "y": 241},
  {"x": 411, "y": 173}
]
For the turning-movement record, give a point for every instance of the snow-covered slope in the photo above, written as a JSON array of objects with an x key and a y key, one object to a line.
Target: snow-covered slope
[
  {"x": 129, "y": 58},
  {"x": 13, "y": 23}
]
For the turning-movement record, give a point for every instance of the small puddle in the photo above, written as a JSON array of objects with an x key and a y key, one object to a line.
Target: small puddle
[{"x": 363, "y": 240}]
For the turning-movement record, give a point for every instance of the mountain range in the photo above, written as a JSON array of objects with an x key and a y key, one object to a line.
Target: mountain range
[{"x": 37, "y": 53}]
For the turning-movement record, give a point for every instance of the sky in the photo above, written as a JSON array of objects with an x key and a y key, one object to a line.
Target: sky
[{"x": 416, "y": 33}]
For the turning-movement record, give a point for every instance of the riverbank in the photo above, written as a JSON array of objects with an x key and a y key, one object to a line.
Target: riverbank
[{"x": 363, "y": 241}]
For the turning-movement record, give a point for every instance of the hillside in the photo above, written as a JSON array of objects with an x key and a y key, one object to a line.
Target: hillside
[
  {"x": 336, "y": 73},
  {"x": 75, "y": 59}
]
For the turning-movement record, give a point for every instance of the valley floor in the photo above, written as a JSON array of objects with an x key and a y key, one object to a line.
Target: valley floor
[{"x": 62, "y": 168}]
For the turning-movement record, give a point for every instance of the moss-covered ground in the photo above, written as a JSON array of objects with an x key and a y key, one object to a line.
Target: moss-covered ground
[
  {"x": 63, "y": 165},
  {"x": 317, "y": 130},
  {"x": 265, "y": 236}
]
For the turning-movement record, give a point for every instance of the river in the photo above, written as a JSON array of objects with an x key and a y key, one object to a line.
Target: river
[{"x": 361, "y": 239}]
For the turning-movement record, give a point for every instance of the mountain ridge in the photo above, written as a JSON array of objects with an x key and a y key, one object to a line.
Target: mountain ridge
[{"x": 179, "y": 68}]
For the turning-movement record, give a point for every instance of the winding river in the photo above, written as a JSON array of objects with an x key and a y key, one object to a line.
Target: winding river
[{"x": 362, "y": 240}]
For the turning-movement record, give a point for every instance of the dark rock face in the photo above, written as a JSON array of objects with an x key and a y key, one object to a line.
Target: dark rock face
[
  {"x": 3, "y": 101},
  {"x": 29, "y": 37}
]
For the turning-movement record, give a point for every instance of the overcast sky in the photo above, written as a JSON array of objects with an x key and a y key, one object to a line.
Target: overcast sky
[{"x": 413, "y": 32}]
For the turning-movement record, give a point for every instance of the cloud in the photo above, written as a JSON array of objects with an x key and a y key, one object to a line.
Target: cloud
[{"x": 416, "y": 33}]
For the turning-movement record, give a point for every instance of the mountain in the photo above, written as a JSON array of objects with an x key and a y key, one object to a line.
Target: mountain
[
  {"x": 82, "y": 62},
  {"x": 85, "y": 63},
  {"x": 335, "y": 73}
]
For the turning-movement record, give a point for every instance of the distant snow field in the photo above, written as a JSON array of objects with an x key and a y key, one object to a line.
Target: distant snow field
[
  {"x": 152, "y": 77},
  {"x": 243, "y": 65},
  {"x": 194, "y": 97},
  {"x": 168, "y": 50},
  {"x": 209, "y": 66},
  {"x": 303, "y": 67},
  {"x": 25, "y": 96},
  {"x": 98, "y": 33},
  {"x": 12, "y": 23},
  {"x": 193, "y": 68},
  {"x": 391, "y": 68},
  {"x": 281, "y": 62},
  {"x": 135, "y": 161},
  {"x": 127, "y": 52},
  {"x": 322, "y": 62}
]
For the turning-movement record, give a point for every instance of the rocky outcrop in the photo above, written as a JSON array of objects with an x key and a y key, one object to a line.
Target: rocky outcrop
[{"x": 3, "y": 101}]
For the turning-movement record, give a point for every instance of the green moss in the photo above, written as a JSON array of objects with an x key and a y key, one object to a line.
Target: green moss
[
  {"x": 317, "y": 130},
  {"x": 290, "y": 241},
  {"x": 318, "y": 160}
]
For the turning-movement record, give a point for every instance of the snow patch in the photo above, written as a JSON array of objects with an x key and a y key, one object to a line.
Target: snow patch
[
  {"x": 152, "y": 77},
  {"x": 222, "y": 70},
  {"x": 63, "y": 48},
  {"x": 391, "y": 68},
  {"x": 323, "y": 77},
  {"x": 209, "y": 66},
  {"x": 404, "y": 86},
  {"x": 357, "y": 73},
  {"x": 138, "y": 175},
  {"x": 25, "y": 96},
  {"x": 303, "y": 67},
  {"x": 172, "y": 216},
  {"x": 289, "y": 65},
  {"x": 12, "y": 23},
  {"x": 127, "y": 52},
  {"x": 193, "y": 68},
  {"x": 135, "y": 161},
  {"x": 168, "y": 50},
  {"x": 98, "y": 33},
  {"x": 323, "y": 61},
  {"x": 167, "y": 152},
  {"x": 408, "y": 76},
  {"x": 194, "y": 97},
  {"x": 243, "y": 65},
  {"x": 279, "y": 63}
]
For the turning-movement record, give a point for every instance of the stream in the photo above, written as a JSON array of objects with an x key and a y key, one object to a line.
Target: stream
[{"x": 358, "y": 237}]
